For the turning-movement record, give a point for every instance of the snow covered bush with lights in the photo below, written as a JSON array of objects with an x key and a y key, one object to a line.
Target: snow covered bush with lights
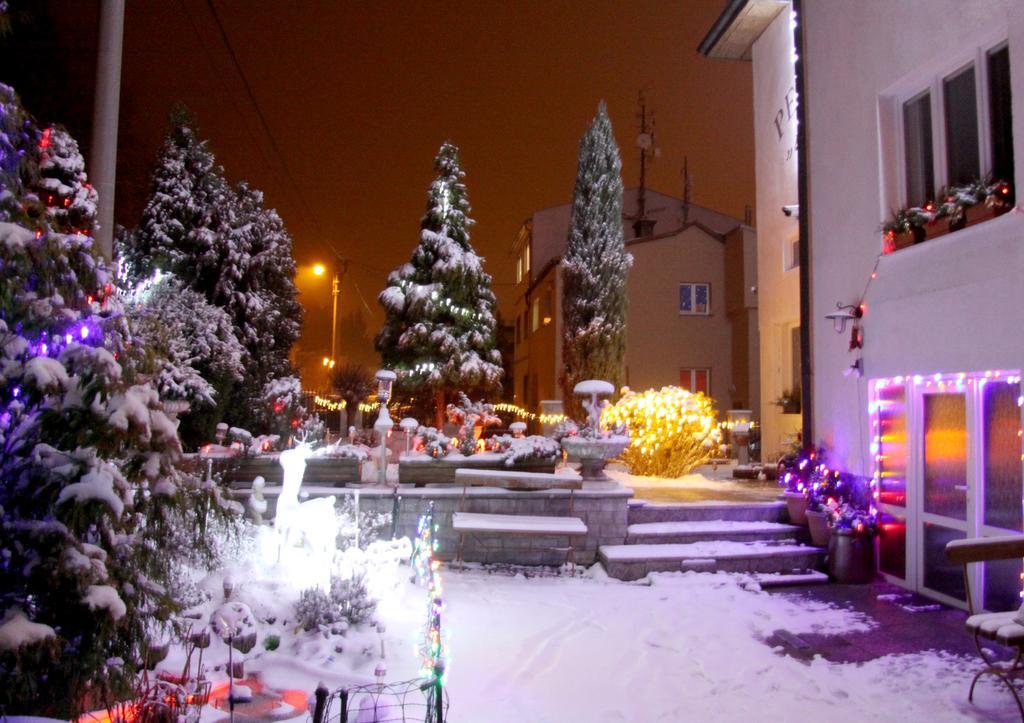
[
  {"x": 595, "y": 266},
  {"x": 672, "y": 430},
  {"x": 439, "y": 326},
  {"x": 63, "y": 185},
  {"x": 97, "y": 519}
]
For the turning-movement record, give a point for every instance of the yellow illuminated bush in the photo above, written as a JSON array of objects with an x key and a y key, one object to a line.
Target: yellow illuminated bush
[{"x": 671, "y": 430}]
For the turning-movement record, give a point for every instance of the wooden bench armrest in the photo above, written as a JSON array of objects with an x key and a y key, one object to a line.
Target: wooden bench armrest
[{"x": 980, "y": 549}]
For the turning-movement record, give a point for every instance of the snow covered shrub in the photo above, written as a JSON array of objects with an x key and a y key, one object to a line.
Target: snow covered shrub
[
  {"x": 433, "y": 442},
  {"x": 527, "y": 449},
  {"x": 314, "y": 609},
  {"x": 439, "y": 325},
  {"x": 371, "y": 525},
  {"x": 344, "y": 450},
  {"x": 672, "y": 431},
  {"x": 595, "y": 266},
  {"x": 311, "y": 429},
  {"x": 193, "y": 354},
  {"x": 63, "y": 186},
  {"x": 471, "y": 417},
  {"x": 97, "y": 515},
  {"x": 282, "y": 410},
  {"x": 352, "y": 598}
]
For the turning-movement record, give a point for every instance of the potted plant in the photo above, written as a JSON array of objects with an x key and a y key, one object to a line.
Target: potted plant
[
  {"x": 819, "y": 519},
  {"x": 794, "y": 474},
  {"x": 789, "y": 401},
  {"x": 851, "y": 551}
]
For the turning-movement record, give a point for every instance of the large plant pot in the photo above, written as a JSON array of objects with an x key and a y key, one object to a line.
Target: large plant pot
[
  {"x": 820, "y": 529},
  {"x": 796, "y": 504},
  {"x": 851, "y": 557}
]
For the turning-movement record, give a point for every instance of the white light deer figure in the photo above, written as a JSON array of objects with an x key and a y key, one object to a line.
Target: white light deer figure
[{"x": 314, "y": 523}]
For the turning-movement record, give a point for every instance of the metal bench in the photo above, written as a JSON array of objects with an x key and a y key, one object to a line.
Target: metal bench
[
  {"x": 474, "y": 523},
  {"x": 1002, "y": 627}
]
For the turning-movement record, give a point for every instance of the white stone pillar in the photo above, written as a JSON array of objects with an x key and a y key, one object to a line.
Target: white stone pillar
[{"x": 103, "y": 161}]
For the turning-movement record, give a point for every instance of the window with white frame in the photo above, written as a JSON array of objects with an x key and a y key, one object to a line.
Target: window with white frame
[
  {"x": 955, "y": 128},
  {"x": 695, "y": 380},
  {"x": 694, "y": 299}
]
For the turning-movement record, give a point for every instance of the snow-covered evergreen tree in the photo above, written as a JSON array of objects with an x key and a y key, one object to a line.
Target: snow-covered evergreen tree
[
  {"x": 195, "y": 354},
  {"x": 95, "y": 513},
  {"x": 223, "y": 243},
  {"x": 439, "y": 328},
  {"x": 595, "y": 266},
  {"x": 63, "y": 185}
]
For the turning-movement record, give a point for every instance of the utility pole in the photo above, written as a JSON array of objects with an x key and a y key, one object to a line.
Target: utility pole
[
  {"x": 642, "y": 226},
  {"x": 106, "y": 106},
  {"x": 340, "y": 267}
]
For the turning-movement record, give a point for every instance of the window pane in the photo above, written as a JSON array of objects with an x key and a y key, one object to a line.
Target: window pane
[
  {"x": 1003, "y": 488},
  {"x": 686, "y": 379},
  {"x": 961, "y": 114},
  {"x": 1000, "y": 116},
  {"x": 945, "y": 455},
  {"x": 700, "y": 380},
  {"x": 1002, "y": 585},
  {"x": 686, "y": 298},
  {"x": 940, "y": 574},
  {"x": 892, "y": 431},
  {"x": 917, "y": 141},
  {"x": 892, "y": 545},
  {"x": 700, "y": 300}
]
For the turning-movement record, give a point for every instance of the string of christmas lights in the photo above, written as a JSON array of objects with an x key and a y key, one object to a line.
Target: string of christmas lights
[{"x": 433, "y": 647}]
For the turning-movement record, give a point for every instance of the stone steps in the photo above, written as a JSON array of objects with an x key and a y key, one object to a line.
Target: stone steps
[
  {"x": 701, "y": 531},
  {"x": 632, "y": 562},
  {"x": 708, "y": 511}
]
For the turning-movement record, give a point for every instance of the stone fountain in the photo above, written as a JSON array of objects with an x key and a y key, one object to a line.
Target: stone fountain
[{"x": 594, "y": 446}]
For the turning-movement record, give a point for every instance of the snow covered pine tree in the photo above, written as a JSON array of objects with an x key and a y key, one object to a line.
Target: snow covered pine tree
[
  {"x": 94, "y": 511},
  {"x": 439, "y": 326},
  {"x": 595, "y": 266},
  {"x": 224, "y": 244}
]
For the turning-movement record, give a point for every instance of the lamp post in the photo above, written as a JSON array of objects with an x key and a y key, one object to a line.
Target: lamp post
[{"x": 385, "y": 378}]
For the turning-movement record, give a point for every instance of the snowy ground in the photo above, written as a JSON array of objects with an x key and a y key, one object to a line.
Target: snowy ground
[
  {"x": 675, "y": 647},
  {"x": 706, "y": 485}
]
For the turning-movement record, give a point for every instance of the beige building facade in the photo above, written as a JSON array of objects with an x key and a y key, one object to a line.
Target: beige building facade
[
  {"x": 692, "y": 318},
  {"x": 761, "y": 32}
]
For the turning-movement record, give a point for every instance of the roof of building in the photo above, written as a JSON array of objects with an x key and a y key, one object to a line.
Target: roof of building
[{"x": 741, "y": 23}]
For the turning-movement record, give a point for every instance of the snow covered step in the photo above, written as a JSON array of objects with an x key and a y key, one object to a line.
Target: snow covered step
[
  {"x": 780, "y": 579},
  {"x": 698, "y": 531},
  {"x": 706, "y": 511},
  {"x": 632, "y": 562}
]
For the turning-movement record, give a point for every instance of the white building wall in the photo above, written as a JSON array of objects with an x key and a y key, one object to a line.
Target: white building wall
[
  {"x": 951, "y": 304},
  {"x": 778, "y": 289}
]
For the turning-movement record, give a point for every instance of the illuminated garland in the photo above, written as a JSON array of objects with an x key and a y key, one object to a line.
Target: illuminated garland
[
  {"x": 432, "y": 649},
  {"x": 520, "y": 412},
  {"x": 328, "y": 404}
]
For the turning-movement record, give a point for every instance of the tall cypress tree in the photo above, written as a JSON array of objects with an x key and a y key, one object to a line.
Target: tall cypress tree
[
  {"x": 439, "y": 328},
  {"x": 595, "y": 265}
]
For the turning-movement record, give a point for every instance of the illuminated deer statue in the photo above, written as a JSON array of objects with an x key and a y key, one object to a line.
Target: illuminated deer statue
[{"x": 314, "y": 523}]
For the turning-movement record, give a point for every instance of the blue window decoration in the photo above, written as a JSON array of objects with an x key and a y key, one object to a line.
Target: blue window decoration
[
  {"x": 685, "y": 298},
  {"x": 694, "y": 298}
]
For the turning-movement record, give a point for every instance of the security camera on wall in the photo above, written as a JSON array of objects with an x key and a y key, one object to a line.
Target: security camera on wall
[{"x": 792, "y": 210}]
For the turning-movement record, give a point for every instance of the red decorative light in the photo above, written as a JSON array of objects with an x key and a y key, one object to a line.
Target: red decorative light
[{"x": 44, "y": 142}]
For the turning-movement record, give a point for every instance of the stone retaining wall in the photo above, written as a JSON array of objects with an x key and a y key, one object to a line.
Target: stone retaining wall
[{"x": 603, "y": 511}]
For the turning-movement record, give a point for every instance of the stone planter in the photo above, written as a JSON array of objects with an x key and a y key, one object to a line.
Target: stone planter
[
  {"x": 322, "y": 471},
  {"x": 819, "y": 527},
  {"x": 796, "y": 504},
  {"x": 442, "y": 471},
  {"x": 851, "y": 557}
]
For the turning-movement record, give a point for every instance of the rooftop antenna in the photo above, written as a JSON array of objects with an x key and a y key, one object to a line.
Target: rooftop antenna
[
  {"x": 643, "y": 226},
  {"x": 687, "y": 190}
]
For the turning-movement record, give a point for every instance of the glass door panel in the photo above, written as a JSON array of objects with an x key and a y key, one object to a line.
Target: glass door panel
[
  {"x": 941, "y": 575},
  {"x": 1002, "y": 462},
  {"x": 892, "y": 447},
  {"x": 945, "y": 455},
  {"x": 1002, "y": 585}
]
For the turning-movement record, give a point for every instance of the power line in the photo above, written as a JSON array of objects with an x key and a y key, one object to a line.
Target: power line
[{"x": 266, "y": 126}]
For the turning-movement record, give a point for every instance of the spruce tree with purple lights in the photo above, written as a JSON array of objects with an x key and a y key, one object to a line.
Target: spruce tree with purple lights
[
  {"x": 595, "y": 266},
  {"x": 95, "y": 514},
  {"x": 439, "y": 327}
]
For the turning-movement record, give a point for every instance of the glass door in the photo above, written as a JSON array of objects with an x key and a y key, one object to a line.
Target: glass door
[
  {"x": 945, "y": 486},
  {"x": 1000, "y": 500}
]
